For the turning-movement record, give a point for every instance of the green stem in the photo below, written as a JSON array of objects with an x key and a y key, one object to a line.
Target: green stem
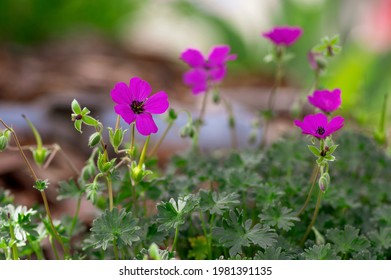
[
  {"x": 115, "y": 249},
  {"x": 199, "y": 122},
  {"x": 36, "y": 179},
  {"x": 110, "y": 191},
  {"x": 157, "y": 145},
  {"x": 132, "y": 141},
  {"x": 134, "y": 197},
  {"x": 271, "y": 100},
  {"x": 314, "y": 176},
  {"x": 36, "y": 248},
  {"x": 175, "y": 239},
  {"x": 231, "y": 123},
  {"x": 211, "y": 224},
  {"x": 54, "y": 248},
  {"x": 38, "y": 138},
  {"x": 143, "y": 153},
  {"x": 75, "y": 217},
  {"x": 309, "y": 228},
  {"x": 59, "y": 239},
  {"x": 14, "y": 247}
]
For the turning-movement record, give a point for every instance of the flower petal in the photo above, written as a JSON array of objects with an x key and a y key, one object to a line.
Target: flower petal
[
  {"x": 335, "y": 124},
  {"x": 283, "y": 35},
  {"x": 125, "y": 112},
  {"x": 121, "y": 94},
  {"x": 157, "y": 103},
  {"x": 218, "y": 55},
  {"x": 139, "y": 89},
  {"x": 145, "y": 124},
  {"x": 217, "y": 73},
  {"x": 197, "y": 79},
  {"x": 193, "y": 57}
]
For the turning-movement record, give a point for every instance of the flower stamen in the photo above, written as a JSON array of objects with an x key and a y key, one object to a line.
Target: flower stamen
[{"x": 137, "y": 107}]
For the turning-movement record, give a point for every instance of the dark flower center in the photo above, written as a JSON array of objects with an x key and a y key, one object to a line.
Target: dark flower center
[
  {"x": 137, "y": 107},
  {"x": 320, "y": 130}
]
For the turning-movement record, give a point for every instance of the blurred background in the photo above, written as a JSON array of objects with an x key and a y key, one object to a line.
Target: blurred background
[{"x": 54, "y": 51}]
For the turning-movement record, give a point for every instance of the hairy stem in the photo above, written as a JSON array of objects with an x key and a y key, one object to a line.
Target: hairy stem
[
  {"x": 231, "y": 123},
  {"x": 314, "y": 176},
  {"x": 15, "y": 255},
  {"x": 175, "y": 239},
  {"x": 76, "y": 216},
  {"x": 309, "y": 228},
  {"x": 200, "y": 122},
  {"x": 110, "y": 191}
]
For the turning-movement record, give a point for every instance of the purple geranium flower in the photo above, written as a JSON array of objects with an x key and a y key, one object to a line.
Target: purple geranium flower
[
  {"x": 283, "y": 35},
  {"x": 318, "y": 126},
  {"x": 204, "y": 70},
  {"x": 133, "y": 104},
  {"x": 325, "y": 100}
]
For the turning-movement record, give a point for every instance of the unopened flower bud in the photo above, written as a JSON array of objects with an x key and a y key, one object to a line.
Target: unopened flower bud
[
  {"x": 94, "y": 139},
  {"x": 116, "y": 137},
  {"x": 40, "y": 155},
  {"x": 4, "y": 138},
  {"x": 323, "y": 183}
]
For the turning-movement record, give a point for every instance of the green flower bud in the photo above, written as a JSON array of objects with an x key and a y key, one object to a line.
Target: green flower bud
[
  {"x": 116, "y": 137},
  {"x": 104, "y": 166},
  {"x": 216, "y": 97},
  {"x": 172, "y": 115},
  {"x": 323, "y": 182},
  {"x": 139, "y": 173},
  {"x": 40, "y": 155},
  {"x": 188, "y": 130},
  {"x": 4, "y": 139},
  {"x": 94, "y": 139},
  {"x": 88, "y": 172},
  {"x": 41, "y": 185}
]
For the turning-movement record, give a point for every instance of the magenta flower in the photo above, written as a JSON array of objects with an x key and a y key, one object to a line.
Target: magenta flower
[
  {"x": 203, "y": 69},
  {"x": 133, "y": 104},
  {"x": 283, "y": 35},
  {"x": 325, "y": 100},
  {"x": 318, "y": 126}
]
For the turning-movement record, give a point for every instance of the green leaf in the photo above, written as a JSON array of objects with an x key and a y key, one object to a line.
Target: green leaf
[
  {"x": 331, "y": 149},
  {"x": 280, "y": 217},
  {"x": 347, "y": 240},
  {"x": 236, "y": 234},
  {"x": 217, "y": 203},
  {"x": 77, "y": 124},
  {"x": 88, "y": 120},
  {"x": 320, "y": 252},
  {"x": 76, "y": 107},
  {"x": 381, "y": 238},
  {"x": 382, "y": 215},
  {"x": 173, "y": 213},
  {"x": 68, "y": 189},
  {"x": 314, "y": 150},
  {"x": 271, "y": 253},
  {"x": 116, "y": 225}
]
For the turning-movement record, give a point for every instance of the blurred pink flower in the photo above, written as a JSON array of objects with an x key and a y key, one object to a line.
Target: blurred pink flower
[
  {"x": 133, "y": 104},
  {"x": 283, "y": 35},
  {"x": 326, "y": 100},
  {"x": 204, "y": 70},
  {"x": 318, "y": 126}
]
